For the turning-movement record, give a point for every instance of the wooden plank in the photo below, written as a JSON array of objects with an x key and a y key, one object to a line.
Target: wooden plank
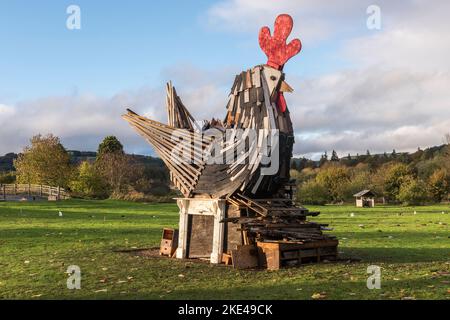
[
  {"x": 256, "y": 77},
  {"x": 238, "y": 85},
  {"x": 248, "y": 79},
  {"x": 226, "y": 259},
  {"x": 233, "y": 87},
  {"x": 269, "y": 255},
  {"x": 247, "y": 96},
  {"x": 242, "y": 84},
  {"x": 271, "y": 77},
  {"x": 245, "y": 257}
]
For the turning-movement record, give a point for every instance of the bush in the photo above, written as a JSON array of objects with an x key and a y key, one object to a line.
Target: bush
[
  {"x": 45, "y": 161},
  {"x": 396, "y": 176},
  {"x": 136, "y": 196},
  {"x": 333, "y": 178},
  {"x": 413, "y": 192},
  {"x": 304, "y": 175},
  {"x": 312, "y": 192},
  {"x": 88, "y": 183},
  {"x": 360, "y": 179},
  {"x": 439, "y": 185}
]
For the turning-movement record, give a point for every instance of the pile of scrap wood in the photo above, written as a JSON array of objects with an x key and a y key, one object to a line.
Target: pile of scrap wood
[
  {"x": 281, "y": 223},
  {"x": 276, "y": 220}
]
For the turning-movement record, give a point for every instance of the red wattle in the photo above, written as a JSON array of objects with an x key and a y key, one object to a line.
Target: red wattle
[{"x": 281, "y": 102}]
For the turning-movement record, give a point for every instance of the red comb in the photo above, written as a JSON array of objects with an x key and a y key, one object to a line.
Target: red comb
[{"x": 275, "y": 47}]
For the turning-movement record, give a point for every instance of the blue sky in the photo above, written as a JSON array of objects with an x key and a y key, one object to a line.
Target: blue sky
[
  {"x": 122, "y": 45},
  {"x": 355, "y": 88}
]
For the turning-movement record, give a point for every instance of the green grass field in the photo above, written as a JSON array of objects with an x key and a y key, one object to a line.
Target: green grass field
[{"x": 37, "y": 246}]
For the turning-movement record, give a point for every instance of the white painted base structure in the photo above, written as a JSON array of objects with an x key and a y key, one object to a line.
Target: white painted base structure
[{"x": 201, "y": 206}]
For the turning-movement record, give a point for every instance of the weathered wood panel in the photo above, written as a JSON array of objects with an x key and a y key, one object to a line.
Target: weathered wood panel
[
  {"x": 200, "y": 236},
  {"x": 232, "y": 235}
]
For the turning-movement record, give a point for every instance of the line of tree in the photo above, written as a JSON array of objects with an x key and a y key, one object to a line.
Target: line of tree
[
  {"x": 112, "y": 174},
  {"x": 417, "y": 178}
]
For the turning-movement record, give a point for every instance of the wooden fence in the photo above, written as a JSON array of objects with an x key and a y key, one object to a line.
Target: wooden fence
[{"x": 53, "y": 193}]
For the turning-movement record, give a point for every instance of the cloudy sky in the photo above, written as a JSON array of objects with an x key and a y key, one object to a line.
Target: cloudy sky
[{"x": 355, "y": 88}]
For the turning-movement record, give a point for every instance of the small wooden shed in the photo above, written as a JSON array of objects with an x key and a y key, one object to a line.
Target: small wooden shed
[{"x": 365, "y": 199}]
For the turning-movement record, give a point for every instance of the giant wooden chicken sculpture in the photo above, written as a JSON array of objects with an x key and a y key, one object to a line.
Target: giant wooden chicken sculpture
[{"x": 252, "y": 157}]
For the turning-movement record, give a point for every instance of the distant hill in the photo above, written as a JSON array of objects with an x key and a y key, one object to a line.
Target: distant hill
[{"x": 80, "y": 156}]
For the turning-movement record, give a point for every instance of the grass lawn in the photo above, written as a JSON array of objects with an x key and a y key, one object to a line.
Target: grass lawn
[{"x": 37, "y": 246}]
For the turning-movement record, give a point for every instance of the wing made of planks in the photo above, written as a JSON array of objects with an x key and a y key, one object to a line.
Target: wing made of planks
[
  {"x": 182, "y": 150},
  {"x": 177, "y": 114}
]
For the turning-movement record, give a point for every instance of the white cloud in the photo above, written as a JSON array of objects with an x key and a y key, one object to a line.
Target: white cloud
[
  {"x": 314, "y": 20},
  {"x": 394, "y": 95},
  {"x": 6, "y": 110},
  {"x": 82, "y": 121},
  {"x": 372, "y": 109}
]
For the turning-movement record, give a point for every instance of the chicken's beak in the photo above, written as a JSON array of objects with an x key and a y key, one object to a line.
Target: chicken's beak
[{"x": 284, "y": 87}]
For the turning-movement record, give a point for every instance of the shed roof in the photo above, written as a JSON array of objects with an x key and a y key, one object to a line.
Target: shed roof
[{"x": 364, "y": 193}]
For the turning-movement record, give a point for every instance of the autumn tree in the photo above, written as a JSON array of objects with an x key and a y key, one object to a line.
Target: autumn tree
[
  {"x": 7, "y": 177},
  {"x": 118, "y": 169},
  {"x": 360, "y": 179},
  {"x": 396, "y": 175},
  {"x": 439, "y": 185},
  {"x": 45, "y": 161},
  {"x": 333, "y": 179},
  {"x": 412, "y": 192},
  {"x": 109, "y": 145},
  {"x": 88, "y": 182},
  {"x": 312, "y": 192}
]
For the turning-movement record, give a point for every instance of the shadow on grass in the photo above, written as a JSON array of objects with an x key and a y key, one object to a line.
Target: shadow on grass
[
  {"x": 397, "y": 255},
  {"x": 297, "y": 289},
  {"x": 335, "y": 289},
  {"x": 75, "y": 233},
  {"x": 87, "y": 216}
]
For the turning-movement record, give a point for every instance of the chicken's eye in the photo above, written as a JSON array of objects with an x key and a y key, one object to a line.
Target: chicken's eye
[{"x": 273, "y": 78}]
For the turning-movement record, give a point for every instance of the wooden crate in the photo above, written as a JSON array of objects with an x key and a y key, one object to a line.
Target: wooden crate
[
  {"x": 169, "y": 242},
  {"x": 275, "y": 255}
]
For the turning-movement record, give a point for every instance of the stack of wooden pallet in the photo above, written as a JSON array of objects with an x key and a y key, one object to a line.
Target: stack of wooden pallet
[
  {"x": 281, "y": 232},
  {"x": 276, "y": 220}
]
